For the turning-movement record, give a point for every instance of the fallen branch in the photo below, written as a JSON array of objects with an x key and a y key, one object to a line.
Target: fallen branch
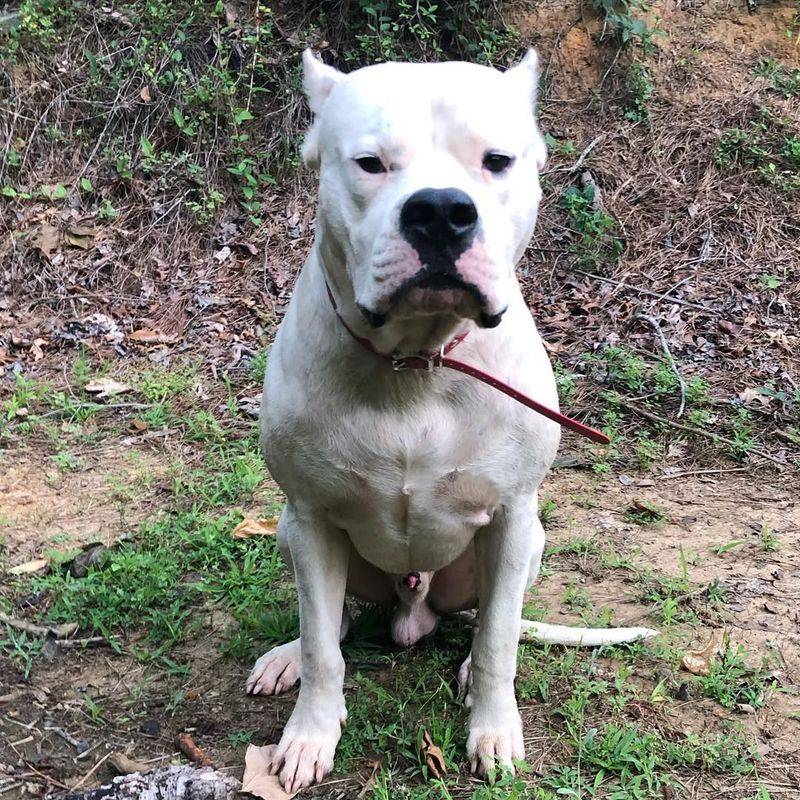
[
  {"x": 645, "y": 292},
  {"x": 692, "y": 473},
  {"x": 93, "y": 407},
  {"x": 167, "y": 783},
  {"x": 714, "y": 437},
  {"x": 653, "y": 322},
  {"x": 581, "y": 158},
  {"x": 57, "y": 631}
]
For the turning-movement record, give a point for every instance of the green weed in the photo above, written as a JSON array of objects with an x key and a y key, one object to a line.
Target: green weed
[
  {"x": 767, "y": 147},
  {"x": 547, "y": 510},
  {"x": 733, "y": 682},
  {"x": 768, "y": 539},
  {"x": 621, "y": 24},
  {"x": 638, "y": 92},
  {"x": 20, "y": 647},
  {"x": 784, "y": 81},
  {"x": 643, "y": 512},
  {"x": 598, "y": 240}
]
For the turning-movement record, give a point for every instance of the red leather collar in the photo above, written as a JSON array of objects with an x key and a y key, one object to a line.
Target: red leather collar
[{"x": 427, "y": 361}]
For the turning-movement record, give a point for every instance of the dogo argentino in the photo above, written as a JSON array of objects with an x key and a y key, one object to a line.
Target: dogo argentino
[{"x": 408, "y": 486}]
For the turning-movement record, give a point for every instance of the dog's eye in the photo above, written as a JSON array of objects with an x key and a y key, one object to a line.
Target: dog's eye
[
  {"x": 371, "y": 164},
  {"x": 497, "y": 162}
]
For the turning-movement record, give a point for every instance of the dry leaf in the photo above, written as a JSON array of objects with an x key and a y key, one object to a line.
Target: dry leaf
[
  {"x": 80, "y": 236},
  {"x": 29, "y": 567},
  {"x": 433, "y": 755},
  {"x": 248, "y": 528},
  {"x": 36, "y": 349},
  {"x": 223, "y": 254},
  {"x": 698, "y": 662},
  {"x": 106, "y": 387},
  {"x": 192, "y": 751},
  {"x": 147, "y": 336},
  {"x": 145, "y": 94},
  {"x": 46, "y": 240},
  {"x": 127, "y": 766},
  {"x": 231, "y": 14},
  {"x": 257, "y": 780}
]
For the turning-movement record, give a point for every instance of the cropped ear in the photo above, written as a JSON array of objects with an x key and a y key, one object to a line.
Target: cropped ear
[
  {"x": 526, "y": 75},
  {"x": 318, "y": 80}
]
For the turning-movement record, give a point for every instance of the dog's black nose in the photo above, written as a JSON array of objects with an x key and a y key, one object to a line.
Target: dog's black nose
[{"x": 443, "y": 218}]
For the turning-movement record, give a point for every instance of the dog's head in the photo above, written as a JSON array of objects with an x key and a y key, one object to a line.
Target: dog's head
[{"x": 429, "y": 184}]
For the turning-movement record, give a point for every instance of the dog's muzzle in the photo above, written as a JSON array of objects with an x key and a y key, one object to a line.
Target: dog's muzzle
[{"x": 441, "y": 225}]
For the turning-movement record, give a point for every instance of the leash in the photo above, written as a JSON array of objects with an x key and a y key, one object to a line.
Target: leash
[{"x": 427, "y": 362}]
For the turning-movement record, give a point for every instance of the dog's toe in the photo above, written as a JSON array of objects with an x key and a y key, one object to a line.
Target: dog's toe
[
  {"x": 495, "y": 747},
  {"x": 276, "y": 671},
  {"x": 305, "y": 753}
]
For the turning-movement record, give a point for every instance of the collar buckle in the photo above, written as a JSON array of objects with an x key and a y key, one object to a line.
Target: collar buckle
[{"x": 430, "y": 360}]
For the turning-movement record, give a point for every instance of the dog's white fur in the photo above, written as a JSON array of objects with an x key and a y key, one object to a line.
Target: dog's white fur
[{"x": 388, "y": 472}]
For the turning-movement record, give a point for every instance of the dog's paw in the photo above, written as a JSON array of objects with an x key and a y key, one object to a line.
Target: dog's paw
[
  {"x": 276, "y": 671},
  {"x": 306, "y": 749},
  {"x": 494, "y": 741}
]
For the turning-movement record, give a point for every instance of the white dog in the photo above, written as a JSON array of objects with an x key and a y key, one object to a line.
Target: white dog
[{"x": 407, "y": 486}]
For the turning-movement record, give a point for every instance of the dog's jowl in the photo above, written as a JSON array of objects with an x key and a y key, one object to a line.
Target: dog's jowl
[{"x": 411, "y": 488}]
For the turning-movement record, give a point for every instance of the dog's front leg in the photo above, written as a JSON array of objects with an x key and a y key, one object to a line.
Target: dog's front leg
[
  {"x": 320, "y": 555},
  {"x": 504, "y": 552}
]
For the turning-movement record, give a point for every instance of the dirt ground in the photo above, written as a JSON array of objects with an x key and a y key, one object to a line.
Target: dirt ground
[
  {"x": 45, "y": 721},
  {"x": 698, "y": 540}
]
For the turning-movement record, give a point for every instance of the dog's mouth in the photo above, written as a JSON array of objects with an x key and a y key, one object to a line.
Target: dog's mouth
[{"x": 427, "y": 284}]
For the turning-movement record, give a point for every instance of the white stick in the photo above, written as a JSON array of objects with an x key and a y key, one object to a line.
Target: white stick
[{"x": 580, "y": 637}]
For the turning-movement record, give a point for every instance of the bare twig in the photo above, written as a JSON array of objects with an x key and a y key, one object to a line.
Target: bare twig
[
  {"x": 92, "y": 770},
  {"x": 714, "y": 437},
  {"x": 58, "y": 631},
  {"x": 690, "y": 473},
  {"x": 581, "y": 158},
  {"x": 646, "y": 292},
  {"x": 653, "y": 322},
  {"x": 66, "y": 412}
]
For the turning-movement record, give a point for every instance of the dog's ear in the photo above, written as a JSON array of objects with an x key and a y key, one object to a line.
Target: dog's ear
[
  {"x": 318, "y": 80},
  {"x": 526, "y": 76}
]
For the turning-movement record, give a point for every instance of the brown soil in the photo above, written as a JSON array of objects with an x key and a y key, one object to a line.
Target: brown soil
[
  {"x": 45, "y": 509},
  {"x": 762, "y": 591}
]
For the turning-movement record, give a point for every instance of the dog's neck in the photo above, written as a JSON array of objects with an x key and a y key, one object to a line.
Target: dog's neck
[{"x": 403, "y": 337}]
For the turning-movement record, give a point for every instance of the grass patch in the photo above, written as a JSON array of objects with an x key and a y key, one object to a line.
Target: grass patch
[
  {"x": 784, "y": 81},
  {"x": 182, "y": 560},
  {"x": 733, "y": 683}
]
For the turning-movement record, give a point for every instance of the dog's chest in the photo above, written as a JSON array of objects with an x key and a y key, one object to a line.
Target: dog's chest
[{"x": 411, "y": 490}]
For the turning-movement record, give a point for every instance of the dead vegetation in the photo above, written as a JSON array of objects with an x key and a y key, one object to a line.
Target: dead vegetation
[{"x": 154, "y": 215}]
